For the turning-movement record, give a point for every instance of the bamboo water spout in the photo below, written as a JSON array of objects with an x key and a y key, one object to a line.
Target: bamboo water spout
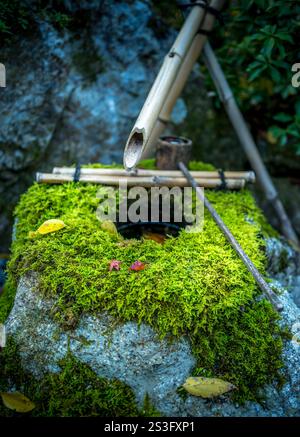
[
  {"x": 140, "y": 134},
  {"x": 181, "y": 79}
]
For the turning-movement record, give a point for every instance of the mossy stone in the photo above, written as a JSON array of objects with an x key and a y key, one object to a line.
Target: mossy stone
[
  {"x": 75, "y": 391},
  {"x": 194, "y": 285}
]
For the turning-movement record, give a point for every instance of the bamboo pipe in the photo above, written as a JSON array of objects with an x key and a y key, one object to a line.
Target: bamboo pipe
[
  {"x": 139, "y": 136},
  {"x": 142, "y": 181},
  {"x": 265, "y": 288},
  {"x": 247, "y": 142},
  {"x": 181, "y": 79},
  {"x": 248, "y": 176}
]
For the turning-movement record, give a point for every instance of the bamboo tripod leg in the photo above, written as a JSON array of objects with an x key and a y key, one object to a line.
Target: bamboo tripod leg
[
  {"x": 140, "y": 133},
  {"x": 181, "y": 79},
  {"x": 265, "y": 288},
  {"x": 247, "y": 142}
]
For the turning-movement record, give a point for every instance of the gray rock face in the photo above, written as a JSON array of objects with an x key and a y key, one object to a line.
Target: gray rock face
[
  {"x": 74, "y": 95},
  {"x": 137, "y": 357},
  {"x": 79, "y": 96},
  {"x": 130, "y": 353},
  {"x": 289, "y": 193},
  {"x": 284, "y": 266}
]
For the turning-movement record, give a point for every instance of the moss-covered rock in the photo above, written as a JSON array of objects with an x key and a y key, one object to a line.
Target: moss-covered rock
[
  {"x": 193, "y": 286},
  {"x": 73, "y": 391}
]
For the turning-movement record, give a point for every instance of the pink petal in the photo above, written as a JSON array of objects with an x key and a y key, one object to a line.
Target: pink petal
[{"x": 114, "y": 265}]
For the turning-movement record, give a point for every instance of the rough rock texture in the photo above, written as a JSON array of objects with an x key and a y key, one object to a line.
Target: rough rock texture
[
  {"x": 79, "y": 97},
  {"x": 137, "y": 357},
  {"x": 284, "y": 266},
  {"x": 74, "y": 95},
  {"x": 289, "y": 192}
]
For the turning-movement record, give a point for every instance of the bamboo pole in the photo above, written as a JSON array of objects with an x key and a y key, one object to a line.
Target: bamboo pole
[
  {"x": 265, "y": 288},
  {"x": 248, "y": 176},
  {"x": 139, "y": 135},
  {"x": 181, "y": 79},
  {"x": 247, "y": 142},
  {"x": 143, "y": 181}
]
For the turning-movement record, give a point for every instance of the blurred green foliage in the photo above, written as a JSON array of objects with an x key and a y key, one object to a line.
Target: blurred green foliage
[
  {"x": 19, "y": 17},
  {"x": 257, "y": 47}
]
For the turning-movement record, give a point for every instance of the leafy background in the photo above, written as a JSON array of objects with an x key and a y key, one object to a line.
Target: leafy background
[
  {"x": 257, "y": 47},
  {"x": 258, "y": 41}
]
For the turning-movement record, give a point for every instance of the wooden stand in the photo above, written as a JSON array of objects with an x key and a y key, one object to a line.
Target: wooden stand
[
  {"x": 139, "y": 181},
  {"x": 171, "y": 150}
]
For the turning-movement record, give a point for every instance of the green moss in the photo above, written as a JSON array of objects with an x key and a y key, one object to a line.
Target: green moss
[
  {"x": 75, "y": 391},
  {"x": 166, "y": 14},
  {"x": 148, "y": 409},
  {"x": 99, "y": 165},
  {"x": 193, "y": 285},
  {"x": 7, "y": 299},
  {"x": 147, "y": 163},
  {"x": 268, "y": 231},
  {"x": 150, "y": 164},
  {"x": 193, "y": 165},
  {"x": 201, "y": 166},
  {"x": 21, "y": 18}
]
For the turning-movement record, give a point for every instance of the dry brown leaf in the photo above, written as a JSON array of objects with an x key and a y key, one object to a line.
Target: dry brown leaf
[
  {"x": 207, "y": 387},
  {"x": 154, "y": 236},
  {"x": 17, "y": 401},
  {"x": 137, "y": 266}
]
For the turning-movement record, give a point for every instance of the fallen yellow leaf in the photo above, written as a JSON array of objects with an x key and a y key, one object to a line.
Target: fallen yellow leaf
[
  {"x": 207, "y": 387},
  {"x": 48, "y": 226},
  {"x": 17, "y": 401},
  {"x": 52, "y": 225}
]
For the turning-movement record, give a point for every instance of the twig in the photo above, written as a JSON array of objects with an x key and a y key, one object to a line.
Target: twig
[{"x": 268, "y": 292}]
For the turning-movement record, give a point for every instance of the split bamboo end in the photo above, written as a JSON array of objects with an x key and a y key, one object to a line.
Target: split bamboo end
[
  {"x": 134, "y": 148},
  {"x": 251, "y": 177}
]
